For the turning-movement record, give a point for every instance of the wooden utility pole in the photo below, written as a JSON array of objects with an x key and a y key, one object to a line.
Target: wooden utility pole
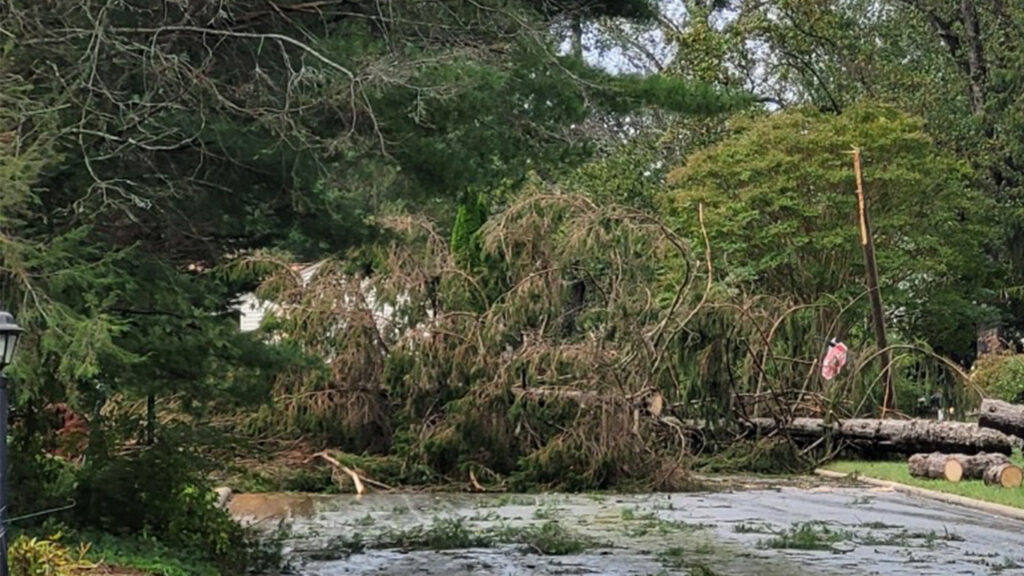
[{"x": 867, "y": 242}]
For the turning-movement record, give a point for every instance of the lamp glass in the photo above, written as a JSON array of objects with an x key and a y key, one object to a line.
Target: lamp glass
[
  {"x": 9, "y": 332},
  {"x": 8, "y": 344}
]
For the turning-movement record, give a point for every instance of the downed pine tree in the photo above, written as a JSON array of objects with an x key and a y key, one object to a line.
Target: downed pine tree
[
  {"x": 1002, "y": 416},
  {"x": 902, "y": 436},
  {"x": 954, "y": 467},
  {"x": 567, "y": 370}
]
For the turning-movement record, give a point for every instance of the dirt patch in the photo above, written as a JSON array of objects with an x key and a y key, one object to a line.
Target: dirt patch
[{"x": 257, "y": 508}]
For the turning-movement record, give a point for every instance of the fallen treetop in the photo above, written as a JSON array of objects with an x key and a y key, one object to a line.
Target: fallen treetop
[{"x": 905, "y": 436}]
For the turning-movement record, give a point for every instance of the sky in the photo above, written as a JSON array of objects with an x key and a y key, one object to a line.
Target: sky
[{"x": 603, "y": 51}]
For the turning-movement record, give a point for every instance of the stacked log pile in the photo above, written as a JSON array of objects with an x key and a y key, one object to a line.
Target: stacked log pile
[
  {"x": 955, "y": 467},
  {"x": 952, "y": 451},
  {"x": 994, "y": 468}
]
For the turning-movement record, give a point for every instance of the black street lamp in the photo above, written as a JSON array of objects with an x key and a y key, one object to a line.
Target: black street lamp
[{"x": 9, "y": 334}]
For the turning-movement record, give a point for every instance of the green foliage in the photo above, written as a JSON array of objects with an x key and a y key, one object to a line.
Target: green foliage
[
  {"x": 160, "y": 492},
  {"x": 545, "y": 327},
  {"x": 45, "y": 482},
  {"x": 448, "y": 390},
  {"x": 912, "y": 55},
  {"x": 609, "y": 8},
  {"x": 469, "y": 219},
  {"x": 764, "y": 456},
  {"x": 672, "y": 93},
  {"x": 782, "y": 217},
  {"x": 139, "y": 167},
  {"x": 1000, "y": 376},
  {"x": 44, "y": 557},
  {"x": 147, "y": 555},
  {"x": 453, "y": 533},
  {"x": 806, "y": 536},
  {"x": 551, "y": 539},
  {"x": 442, "y": 534}
]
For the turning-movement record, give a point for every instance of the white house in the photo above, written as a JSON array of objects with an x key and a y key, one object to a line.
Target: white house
[{"x": 252, "y": 310}]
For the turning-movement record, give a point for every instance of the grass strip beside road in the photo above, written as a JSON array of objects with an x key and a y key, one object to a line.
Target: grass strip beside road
[{"x": 896, "y": 471}]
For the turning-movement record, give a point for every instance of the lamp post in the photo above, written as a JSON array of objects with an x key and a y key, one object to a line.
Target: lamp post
[{"x": 9, "y": 333}]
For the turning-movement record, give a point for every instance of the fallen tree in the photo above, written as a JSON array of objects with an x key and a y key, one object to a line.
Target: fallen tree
[
  {"x": 1002, "y": 416},
  {"x": 903, "y": 436},
  {"x": 954, "y": 467}
]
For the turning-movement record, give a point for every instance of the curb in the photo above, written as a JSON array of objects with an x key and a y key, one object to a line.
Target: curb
[{"x": 990, "y": 507}]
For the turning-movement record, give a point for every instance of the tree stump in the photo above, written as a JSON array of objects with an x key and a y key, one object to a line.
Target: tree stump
[{"x": 1006, "y": 475}]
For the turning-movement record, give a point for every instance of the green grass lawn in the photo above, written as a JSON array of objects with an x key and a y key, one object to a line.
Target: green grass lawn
[{"x": 896, "y": 471}]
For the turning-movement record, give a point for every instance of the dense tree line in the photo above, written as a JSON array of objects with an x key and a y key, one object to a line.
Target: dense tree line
[{"x": 144, "y": 145}]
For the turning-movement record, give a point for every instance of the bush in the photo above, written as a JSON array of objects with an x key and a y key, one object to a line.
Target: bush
[
  {"x": 1000, "y": 376},
  {"x": 44, "y": 557},
  {"x": 38, "y": 480},
  {"x": 160, "y": 492}
]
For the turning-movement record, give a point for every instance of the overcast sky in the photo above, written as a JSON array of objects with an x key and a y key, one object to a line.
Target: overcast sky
[{"x": 645, "y": 41}]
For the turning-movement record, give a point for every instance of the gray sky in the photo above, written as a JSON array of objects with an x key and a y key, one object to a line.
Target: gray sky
[{"x": 601, "y": 50}]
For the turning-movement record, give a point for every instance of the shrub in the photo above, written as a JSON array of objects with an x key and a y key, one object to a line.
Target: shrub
[
  {"x": 1000, "y": 376},
  {"x": 44, "y": 557},
  {"x": 160, "y": 492}
]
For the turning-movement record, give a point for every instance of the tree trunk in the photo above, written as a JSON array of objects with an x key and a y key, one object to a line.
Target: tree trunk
[
  {"x": 902, "y": 436},
  {"x": 1006, "y": 475},
  {"x": 977, "y": 72},
  {"x": 867, "y": 241},
  {"x": 936, "y": 465},
  {"x": 1002, "y": 416},
  {"x": 577, "y": 37},
  {"x": 970, "y": 467},
  {"x": 577, "y": 297},
  {"x": 150, "y": 419}
]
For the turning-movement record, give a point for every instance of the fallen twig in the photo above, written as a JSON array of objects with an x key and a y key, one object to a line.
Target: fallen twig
[{"x": 359, "y": 481}]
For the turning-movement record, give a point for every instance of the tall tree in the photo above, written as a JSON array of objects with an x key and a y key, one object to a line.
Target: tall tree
[
  {"x": 781, "y": 214},
  {"x": 954, "y": 63},
  {"x": 145, "y": 143}
]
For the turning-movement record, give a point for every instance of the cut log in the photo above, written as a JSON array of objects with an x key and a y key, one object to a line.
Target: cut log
[
  {"x": 1006, "y": 475},
  {"x": 1003, "y": 416},
  {"x": 975, "y": 465},
  {"x": 903, "y": 436},
  {"x": 954, "y": 467},
  {"x": 935, "y": 465}
]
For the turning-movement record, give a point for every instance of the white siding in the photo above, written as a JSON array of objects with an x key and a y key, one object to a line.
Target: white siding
[{"x": 252, "y": 310}]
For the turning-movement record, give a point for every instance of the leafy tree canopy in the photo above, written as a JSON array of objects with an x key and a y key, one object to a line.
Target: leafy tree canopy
[{"x": 783, "y": 219}]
